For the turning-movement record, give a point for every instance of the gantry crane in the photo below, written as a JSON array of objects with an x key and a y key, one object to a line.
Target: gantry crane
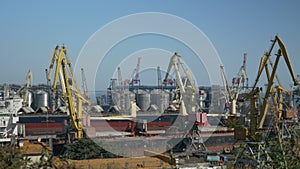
[
  {"x": 70, "y": 91},
  {"x": 258, "y": 113},
  {"x": 187, "y": 88},
  {"x": 24, "y": 91}
]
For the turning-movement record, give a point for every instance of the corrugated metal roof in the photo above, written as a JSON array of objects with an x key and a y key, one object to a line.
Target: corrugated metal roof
[
  {"x": 153, "y": 107},
  {"x": 96, "y": 109},
  {"x": 26, "y": 110},
  {"x": 61, "y": 109},
  {"x": 43, "y": 109},
  {"x": 2, "y": 104}
]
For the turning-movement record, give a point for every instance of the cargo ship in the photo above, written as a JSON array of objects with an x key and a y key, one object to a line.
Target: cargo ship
[{"x": 43, "y": 124}]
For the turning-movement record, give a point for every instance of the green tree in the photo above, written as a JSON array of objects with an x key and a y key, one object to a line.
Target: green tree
[
  {"x": 12, "y": 158},
  {"x": 279, "y": 153},
  {"x": 86, "y": 149}
]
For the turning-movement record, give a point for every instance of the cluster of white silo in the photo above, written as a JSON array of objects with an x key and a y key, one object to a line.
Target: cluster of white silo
[
  {"x": 122, "y": 99},
  {"x": 156, "y": 100},
  {"x": 161, "y": 99}
]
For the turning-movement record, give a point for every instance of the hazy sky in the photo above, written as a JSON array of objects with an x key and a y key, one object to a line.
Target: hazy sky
[{"x": 30, "y": 30}]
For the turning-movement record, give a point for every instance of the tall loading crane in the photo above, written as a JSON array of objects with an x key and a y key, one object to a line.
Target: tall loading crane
[
  {"x": 232, "y": 93},
  {"x": 135, "y": 79},
  {"x": 258, "y": 113},
  {"x": 187, "y": 88},
  {"x": 257, "y": 119},
  {"x": 70, "y": 90},
  {"x": 24, "y": 91}
]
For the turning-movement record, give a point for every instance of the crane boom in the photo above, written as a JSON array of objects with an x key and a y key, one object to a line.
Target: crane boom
[
  {"x": 137, "y": 74},
  {"x": 225, "y": 83},
  {"x": 62, "y": 71},
  {"x": 258, "y": 114},
  {"x": 287, "y": 60},
  {"x": 187, "y": 90},
  {"x": 242, "y": 76},
  {"x": 187, "y": 73},
  {"x": 52, "y": 61},
  {"x": 84, "y": 85},
  {"x": 271, "y": 77},
  {"x": 257, "y": 119},
  {"x": 232, "y": 93},
  {"x": 245, "y": 61},
  {"x": 76, "y": 117}
]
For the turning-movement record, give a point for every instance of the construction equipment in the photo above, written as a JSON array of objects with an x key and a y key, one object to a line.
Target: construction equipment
[
  {"x": 187, "y": 88},
  {"x": 238, "y": 83},
  {"x": 256, "y": 132},
  {"x": 70, "y": 90},
  {"x": 232, "y": 93},
  {"x": 24, "y": 91},
  {"x": 257, "y": 119}
]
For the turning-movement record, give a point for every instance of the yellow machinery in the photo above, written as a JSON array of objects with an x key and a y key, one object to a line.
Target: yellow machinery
[
  {"x": 70, "y": 91},
  {"x": 257, "y": 114}
]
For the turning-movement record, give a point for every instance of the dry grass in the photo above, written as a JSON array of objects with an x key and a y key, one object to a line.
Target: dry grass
[{"x": 122, "y": 163}]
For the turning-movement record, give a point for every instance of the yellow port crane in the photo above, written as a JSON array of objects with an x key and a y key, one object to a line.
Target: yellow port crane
[
  {"x": 70, "y": 90},
  {"x": 258, "y": 114},
  {"x": 256, "y": 137}
]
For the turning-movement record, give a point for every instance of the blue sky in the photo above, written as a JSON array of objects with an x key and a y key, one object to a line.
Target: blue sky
[{"x": 31, "y": 29}]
